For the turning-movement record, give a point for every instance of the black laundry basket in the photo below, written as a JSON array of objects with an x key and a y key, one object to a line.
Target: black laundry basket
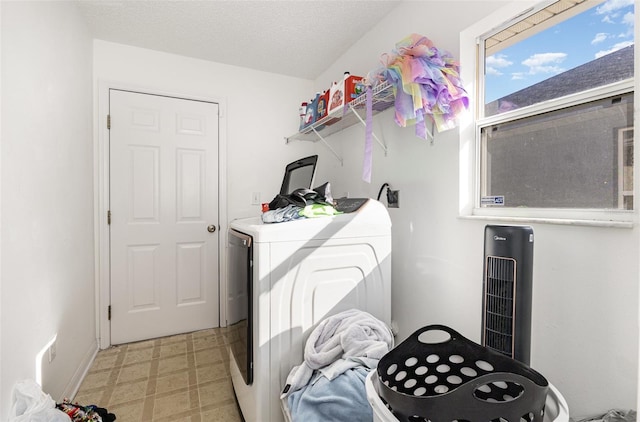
[{"x": 457, "y": 379}]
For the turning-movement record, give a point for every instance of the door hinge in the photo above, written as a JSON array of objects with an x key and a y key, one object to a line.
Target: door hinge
[
  {"x": 109, "y": 312},
  {"x": 108, "y": 217},
  {"x": 108, "y": 121}
]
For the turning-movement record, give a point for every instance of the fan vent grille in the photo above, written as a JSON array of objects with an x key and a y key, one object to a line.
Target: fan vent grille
[{"x": 500, "y": 304}]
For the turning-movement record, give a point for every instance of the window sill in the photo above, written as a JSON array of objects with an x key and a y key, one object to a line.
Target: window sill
[{"x": 558, "y": 221}]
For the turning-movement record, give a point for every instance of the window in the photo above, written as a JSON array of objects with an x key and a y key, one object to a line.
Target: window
[
  {"x": 554, "y": 127},
  {"x": 575, "y": 157}
]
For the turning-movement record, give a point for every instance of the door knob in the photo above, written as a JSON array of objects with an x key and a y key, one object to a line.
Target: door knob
[{"x": 211, "y": 228}]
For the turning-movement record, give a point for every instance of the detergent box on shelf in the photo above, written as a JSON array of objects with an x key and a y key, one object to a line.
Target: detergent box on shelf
[
  {"x": 311, "y": 112},
  {"x": 344, "y": 91},
  {"x": 322, "y": 106}
]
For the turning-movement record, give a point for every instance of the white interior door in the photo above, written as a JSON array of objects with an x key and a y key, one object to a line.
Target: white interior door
[{"x": 164, "y": 215}]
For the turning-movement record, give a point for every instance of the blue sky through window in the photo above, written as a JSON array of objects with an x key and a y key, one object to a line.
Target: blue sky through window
[{"x": 587, "y": 36}]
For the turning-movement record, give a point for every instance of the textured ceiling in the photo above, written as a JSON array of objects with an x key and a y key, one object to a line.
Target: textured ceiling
[{"x": 298, "y": 38}]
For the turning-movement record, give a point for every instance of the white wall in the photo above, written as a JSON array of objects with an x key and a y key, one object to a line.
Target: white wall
[
  {"x": 1, "y": 227},
  {"x": 585, "y": 329},
  {"x": 47, "y": 279}
]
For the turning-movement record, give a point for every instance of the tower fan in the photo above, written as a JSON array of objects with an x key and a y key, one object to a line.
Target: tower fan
[{"x": 507, "y": 290}]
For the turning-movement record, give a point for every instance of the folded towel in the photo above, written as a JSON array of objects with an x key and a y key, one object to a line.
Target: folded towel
[{"x": 340, "y": 342}]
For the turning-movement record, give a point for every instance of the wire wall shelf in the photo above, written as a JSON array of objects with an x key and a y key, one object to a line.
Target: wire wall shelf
[{"x": 353, "y": 113}]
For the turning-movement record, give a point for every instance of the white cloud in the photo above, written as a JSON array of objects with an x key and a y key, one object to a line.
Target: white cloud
[
  {"x": 629, "y": 20},
  {"x": 612, "y": 6},
  {"x": 544, "y": 58},
  {"x": 612, "y": 11},
  {"x": 546, "y": 69},
  {"x": 498, "y": 60},
  {"x": 495, "y": 62},
  {"x": 616, "y": 47},
  {"x": 607, "y": 19},
  {"x": 517, "y": 76},
  {"x": 545, "y": 63},
  {"x": 600, "y": 36}
]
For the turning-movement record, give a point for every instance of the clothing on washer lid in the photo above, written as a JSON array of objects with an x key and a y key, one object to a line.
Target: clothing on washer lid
[
  {"x": 303, "y": 197},
  {"x": 318, "y": 210},
  {"x": 288, "y": 213}
]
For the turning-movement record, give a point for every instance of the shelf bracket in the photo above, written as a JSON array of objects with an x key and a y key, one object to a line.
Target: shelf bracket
[
  {"x": 327, "y": 145},
  {"x": 384, "y": 147}
]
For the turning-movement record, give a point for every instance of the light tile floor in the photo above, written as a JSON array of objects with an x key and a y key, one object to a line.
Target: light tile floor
[{"x": 182, "y": 378}]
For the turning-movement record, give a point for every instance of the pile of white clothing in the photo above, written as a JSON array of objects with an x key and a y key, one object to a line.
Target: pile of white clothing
[{"x": 346, "y": 345}]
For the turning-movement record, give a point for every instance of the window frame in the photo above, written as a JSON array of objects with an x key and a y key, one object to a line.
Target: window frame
[
  {"x": 472, "y": 59},
  {"x": 621, "y": 145}
]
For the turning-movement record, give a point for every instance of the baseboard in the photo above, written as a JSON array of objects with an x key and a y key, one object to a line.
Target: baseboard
[{"x": 76, "y": 381}]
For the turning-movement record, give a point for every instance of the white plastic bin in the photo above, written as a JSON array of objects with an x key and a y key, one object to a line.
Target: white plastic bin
[{"x": 556, "y": 408}]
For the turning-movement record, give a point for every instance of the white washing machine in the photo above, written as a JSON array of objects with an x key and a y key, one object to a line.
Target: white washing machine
[{"x": 285, "y": 278}]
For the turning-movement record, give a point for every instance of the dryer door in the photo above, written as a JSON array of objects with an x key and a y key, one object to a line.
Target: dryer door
[{"x": 239, "y": 299}]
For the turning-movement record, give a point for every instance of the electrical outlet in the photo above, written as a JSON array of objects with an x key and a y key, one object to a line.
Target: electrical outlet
[
  {"x": 52, "y": 352},
  {"x": 255, "y": 198},
  {"x": 393, "y": 198}
]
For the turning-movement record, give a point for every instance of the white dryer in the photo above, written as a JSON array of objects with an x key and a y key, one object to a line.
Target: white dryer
[{"x": 285, "y": 278}]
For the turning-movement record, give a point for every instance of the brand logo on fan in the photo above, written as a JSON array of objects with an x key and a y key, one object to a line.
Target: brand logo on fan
[{"x": 499, "y": 238}]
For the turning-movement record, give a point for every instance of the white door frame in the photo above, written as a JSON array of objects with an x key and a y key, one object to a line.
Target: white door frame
[{"x": 101, "y": 201}]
